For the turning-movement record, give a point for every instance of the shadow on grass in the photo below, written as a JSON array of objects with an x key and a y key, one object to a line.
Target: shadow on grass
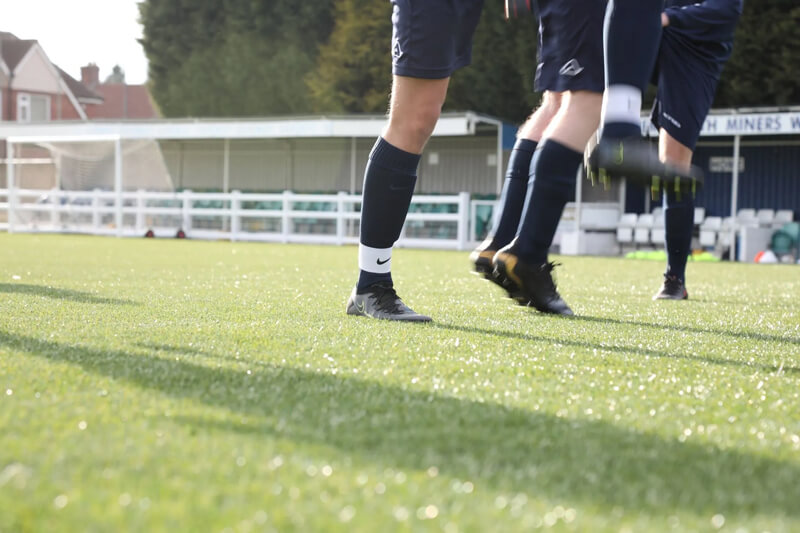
[
  {"x": 688, "y": 329},
  {"x": 60, "y": 294},
  {"x": 617, "y": 348},
  {"x": 502, "y": 448}
]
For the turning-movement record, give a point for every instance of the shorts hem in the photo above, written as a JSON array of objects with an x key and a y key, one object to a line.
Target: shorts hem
[
  {"x": 564, "y": 86},
  {"x": 429, "y": 73}
]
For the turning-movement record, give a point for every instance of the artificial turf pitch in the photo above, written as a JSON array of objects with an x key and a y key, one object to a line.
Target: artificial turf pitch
[{"x": 161, "y": 385}]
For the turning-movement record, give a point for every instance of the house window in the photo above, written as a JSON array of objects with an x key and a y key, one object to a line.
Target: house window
[{"x": 33, "y": 108}]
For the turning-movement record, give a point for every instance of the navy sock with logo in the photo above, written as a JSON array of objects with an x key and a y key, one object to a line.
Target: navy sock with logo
[
  {"x": 389, "y": 181},
  {"x": 512, "y": 199},
  {"x": 554, "y": 173},
  {"x": 678, "y": 225}
]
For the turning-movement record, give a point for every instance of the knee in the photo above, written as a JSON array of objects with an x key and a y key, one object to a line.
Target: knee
[
  {"x": 673, "y": 152},
  {"x": 415, "y": 126}
]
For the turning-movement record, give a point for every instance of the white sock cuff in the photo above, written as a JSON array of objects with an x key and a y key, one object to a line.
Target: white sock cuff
[
  {"x": 622, "y": 103},
  {"x": 375, "y": 260}
]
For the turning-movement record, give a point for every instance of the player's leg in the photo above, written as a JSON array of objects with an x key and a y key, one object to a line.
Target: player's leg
[
  {"x": 632, "y": 37},
  {"x": 572, "y": 63},
  {"x": 678, "y": 220},
  {"x": 686, "y": 87},
  {"x": 430, "y": 40},
  {"x": 389, "y": 181},
  {"x": 555, "y": 167},
  {"x": 512, "y": 198}
]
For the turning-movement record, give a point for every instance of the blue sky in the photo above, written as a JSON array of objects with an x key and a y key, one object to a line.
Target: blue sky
[{"x": 74, "y": 33}]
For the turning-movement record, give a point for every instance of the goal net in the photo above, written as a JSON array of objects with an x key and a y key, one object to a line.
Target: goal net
[
  {"x": 88, "y": 164},
  {"x": 52, "y": 182}
]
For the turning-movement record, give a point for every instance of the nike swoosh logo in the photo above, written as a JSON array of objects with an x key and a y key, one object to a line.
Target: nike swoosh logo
[
  {"x": 382, "y": 262},
  {"x": 361, "y": 307}
]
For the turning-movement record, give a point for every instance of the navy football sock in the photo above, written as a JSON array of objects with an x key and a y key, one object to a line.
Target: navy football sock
[
  {"x": 555, "y": 168},
  {"x": 632, "y": 36},
  {"x": 389, "y": 181},
  {"x": 678, "y": 225},
  {"x": 512, "y": 198}
]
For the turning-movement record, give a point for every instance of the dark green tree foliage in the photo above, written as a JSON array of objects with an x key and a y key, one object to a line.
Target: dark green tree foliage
[
  {"x": 353, "y": 72},
  {"x": 233, "y": 58},
  {"x": 764, "y": 69},
  {"x": 354, "y": 68},
  {"x": 499, "y": 81},
  {"x": 267, "y": 57}
]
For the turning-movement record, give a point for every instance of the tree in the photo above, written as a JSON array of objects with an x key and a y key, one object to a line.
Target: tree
[
  {"x": 353, "y": 71},
  {"x": 247, "y": 57},
  {"x": 210, "y": 58},
  {"x": 763, "y": 70},
  {"x": 499, "y": 81}
]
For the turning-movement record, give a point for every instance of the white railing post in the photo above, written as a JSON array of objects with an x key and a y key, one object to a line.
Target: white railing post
[
  {"x": 140, "y": 204},
  {"x": 236, "y": 221},
  {"x": 10, "y": 185},
  {"x": 463, "y": 220},
  {"x": 735, "y": 197},
  {"x": 340, "y": 217},
  {"x": 54, "y": 204},
  {"x": 286, "y": 218},
  {"x": 186, "y": 211},
  {"x": 473, "y": 215},
  {"x": 96, "y": 205},
  {"x": 118, "y": 185}
]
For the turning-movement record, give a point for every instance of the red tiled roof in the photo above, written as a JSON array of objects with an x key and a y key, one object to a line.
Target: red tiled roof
[
  {"x": 81, "y": 91},
  {"x": 123, "y": 101}
]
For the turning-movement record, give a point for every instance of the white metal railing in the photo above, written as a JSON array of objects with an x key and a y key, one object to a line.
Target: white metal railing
[{"x": 433, "y": 221}]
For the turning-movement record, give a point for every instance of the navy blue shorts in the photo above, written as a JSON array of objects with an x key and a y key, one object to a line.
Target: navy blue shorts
[
  {"x": 432, "y": 38},
  {"x": 571, "y": 46},
  {"x": 687, "y": 79}
]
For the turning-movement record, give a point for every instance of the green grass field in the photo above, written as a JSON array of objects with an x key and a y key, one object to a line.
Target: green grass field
[{"x": 159, "y": 385}]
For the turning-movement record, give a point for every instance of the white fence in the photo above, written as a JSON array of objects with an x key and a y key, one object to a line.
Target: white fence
[{"x": 444, "y": 222}]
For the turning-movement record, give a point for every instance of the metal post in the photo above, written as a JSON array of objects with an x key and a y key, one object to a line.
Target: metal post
[
  {"x": 578, "y": 210},
  {"x": 463, "y": 220},
  {"x": 10, "y": 185},
  {"x": 735, "y": 194},
  {"x": 340, "y": 220},
  {"x": 54, "y": 205},
  {"x": 472, "y": 222},
  {"x": 286, "y": 219},
  {"x": 96, "y": 207},
  {"x": 118, "y": 183},
  {"x": 226, "y": 166},
  {"x": 236, "y": 221},
  {"x": 226, "y": 179},
  {"x": 186, "y": 211},
  {"x": 353, "y": 176},
  {"x": 499, "y": 169},
  {"x": 140, "y": 204}
]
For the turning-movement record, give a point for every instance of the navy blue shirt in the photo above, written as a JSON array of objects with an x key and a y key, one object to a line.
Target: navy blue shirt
[{"x": 706, "y": 27}]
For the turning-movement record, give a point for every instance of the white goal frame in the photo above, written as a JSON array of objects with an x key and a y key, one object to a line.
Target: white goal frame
[{"x": 12, "y": 161}]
